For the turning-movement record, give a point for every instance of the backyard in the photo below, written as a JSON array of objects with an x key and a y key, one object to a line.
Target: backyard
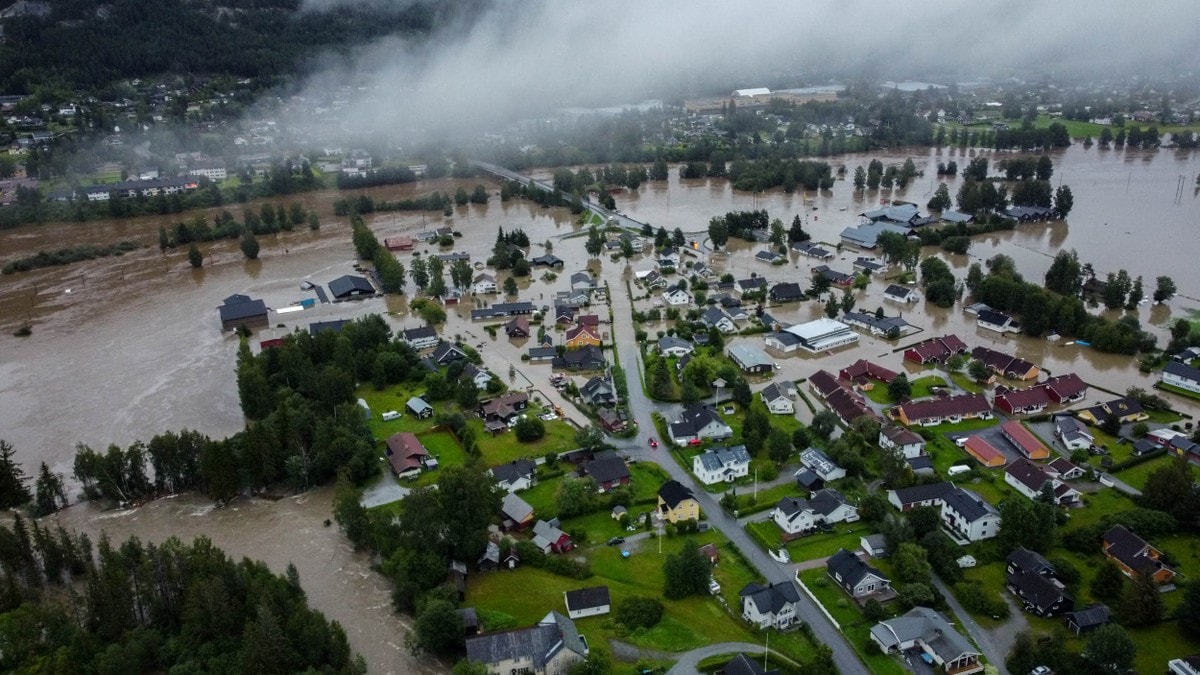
[{"x": 854, "y": 625}]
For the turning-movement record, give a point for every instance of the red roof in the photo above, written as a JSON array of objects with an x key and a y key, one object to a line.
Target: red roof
[
  {"x": 405, "y": 451},
  {"x": 1064, "y": 387},
  {"x": 1025, "y": 441},
  {"x": 863, "y": 369},
  {"x": 966, "y": 404},
  {"x": 985, "y": 452},
  {"x": 1013, "y": 400},
  {"x": 935, "y": 349},
  {"x": 823, "y": 382}
]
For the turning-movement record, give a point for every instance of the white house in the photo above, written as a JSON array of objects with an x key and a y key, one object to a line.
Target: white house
[
  {"x": 1181, "y": 375},
  {"x": 751, "y": 285},
  {"x": 673, "y": 346},
  {"x": 898, "y": 293},
  {"x": 677, "y": 297},
  {"x": 796, "y": 516},
  {"x": 778, "y": 399},
  {"x": 425, "y": 337},
  {"x": 966, "y": 517},
  {"x": 480, "y": 377},
  {"x": 653, "y": 279},
  {"x": 782, "y": 341},
  {"x": 519, "y": 474},
  {"x": 697, "y": 423},
  {"x": 996, "y": 321},
  {"x": 901, "y": 441},
  {"x": 1030, "y": 479},
  {"x": 819, "y": 463},
  {"x": 715, "y": 317},
  {"x": 585, "y": 602},
  {"x": 668, "y": 257},
  {"x": 924, "y": 629},
  {"x": 770, "y": 606},
  {"x": 484, "y": 283},
  {"x": 582, "y": 281},
  {"x": 721, "y": 464}
]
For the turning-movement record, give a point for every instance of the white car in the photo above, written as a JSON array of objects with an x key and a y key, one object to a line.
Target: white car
[
  {"x": 713, "y": 586},
  {"x": 781, "y": 556}
]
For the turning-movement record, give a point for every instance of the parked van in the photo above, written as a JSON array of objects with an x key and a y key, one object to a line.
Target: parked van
[
  {"x": 391, "y": 415},
  {"x": 958, "y": 469}
]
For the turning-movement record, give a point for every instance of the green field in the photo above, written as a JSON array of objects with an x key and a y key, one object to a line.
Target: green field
[
  {"x": 854, "y": 626},
  {"x": 922, "y": 387},
  {"x": 687, "y": 624},
  {"x": 814, "y": 546}
]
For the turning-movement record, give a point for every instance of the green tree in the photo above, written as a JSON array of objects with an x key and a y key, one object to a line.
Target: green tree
[
  {"x": 941, "y": 198},
  {"x": 796, "y": 232},
  {"x": 823, "y": 424},
  {"x": 49, "y": 493},
  {"x": 13, "y": 491},
  {"x": 595, "y": 242},
  {"x": 639, "y": 612},
  {"x": 1110, "y": 649},
  {"x": 899, "y": 388},
  {"x": 1028, "y": 523},
  {"x": 860, "y": 178},
  {"x": 847, "y": 303},
  {"x": 249, "y": 245},
  {"x": 510, "y": 286},
  {"x": 437, "y": 630},
  {"x": 978, "y": 370},
  {"x": 1141, "y": 603},
  {"x": 832, "y": 306},
  {"x": 779, "y": 445},
  {"x": 461, "y": 274},
  {"x": 1164, "y": 289},
  {"x": 576, "y": 497},
  {"x": 741, "y": 393},
  {"x": 529, "y": 429},
  {"x": 164, "y": 241},
  {"x": 437, "y": 282},
  {"x": 1065, "y": 275},
  {"x": 718, "y": 232},
  {"x": 911, "y": 563},
  {"x": 419, "y": 271},
  {"x": 778, "y": 232},
  {"x": 1187, "y": 614},
  {"x": 686, "y": 573},
  {"x": 1064, "y": 201},
  {"x": 195, "y": 257}
]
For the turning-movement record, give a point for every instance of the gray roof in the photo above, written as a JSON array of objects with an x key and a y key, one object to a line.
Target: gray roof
[
  {"x": 867, "y": 235},
  {"x": 1090, "y": 616},
  {"x": 714, "y": 459},
  {"x": 898, "y": 291},
  {"x": 749, "y": 357},
  {"x": 713, "y": 315},
  {"x": 921, "y": 493},
  {"x": 540, "y": 643},
  {"x": 968, "y": 504},
  {"x": 514, "y": 470},
  {"x": 238, "y": 307},
  {"x": 785, "y": 338},
  {"x": 926, "y": 625},
  {"x": 827, "y": 501},
  {"x": 349, "y": 283},
  {"x": 1182, "y": 370},
  {"x": 773, "y": 391},
  {"x": 670, "y": 341},
  {"x": 771, "y": 598},
  {"x": 850, "y": 568},
  {"x": 587, "y": 598},
  {"x": 411, "y": 334},
  {"x": 607, "y": 469}
]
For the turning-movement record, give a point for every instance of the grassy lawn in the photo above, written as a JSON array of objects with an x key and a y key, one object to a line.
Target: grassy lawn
[
  {"x": 922, "y": 387},
  {"x": 1177, "y": 390},
  {"x": 814, "y": 546},
  {"x": 966, "y": 383},
  {"x": 646, "y": 477},
  {"x": 854, "y": 626},
  {"x": 879, "y": 393},
  {"x": 1137, "y": 475},
  {"x": 445, "y": 448},
  {"x": 687, "y": 623},
  {"x": 747, "y": 503}
]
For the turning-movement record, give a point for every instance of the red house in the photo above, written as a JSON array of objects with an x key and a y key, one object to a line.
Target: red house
[
  {"x": 1067, "y": 388},
  {"x": 551, "y": 539},
  {"x": 863, "y": 370},
  {"x": 1022, "y": 401},
  {"x": 935, "y": 350}
]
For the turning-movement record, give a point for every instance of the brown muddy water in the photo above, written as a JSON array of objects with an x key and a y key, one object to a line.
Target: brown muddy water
[{"x": 123, "y": 348}]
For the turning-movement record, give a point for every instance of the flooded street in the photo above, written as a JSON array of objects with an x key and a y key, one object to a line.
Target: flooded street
[{"x": 123, "y": 348}]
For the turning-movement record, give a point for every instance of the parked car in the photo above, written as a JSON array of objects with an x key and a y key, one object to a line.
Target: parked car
[
  {"x": 616, "y": 540},
  {"x": 713, "y": 586}
]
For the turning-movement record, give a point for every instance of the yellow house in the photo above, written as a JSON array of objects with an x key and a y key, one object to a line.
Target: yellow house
[
  {"x": 582, "y": 336},
  {"x": 676, "y": 503}
]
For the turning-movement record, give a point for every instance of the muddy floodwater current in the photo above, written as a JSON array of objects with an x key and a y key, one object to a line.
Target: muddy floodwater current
[{"x": 123, "y": 348}]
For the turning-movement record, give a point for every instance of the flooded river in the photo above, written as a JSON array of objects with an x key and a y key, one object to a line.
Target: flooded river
[{"x": 126, "y": 347}]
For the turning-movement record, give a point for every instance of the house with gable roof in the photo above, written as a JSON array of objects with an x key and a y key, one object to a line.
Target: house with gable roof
[
  {"x": 772, "y": 606},
  {"x": 717, "y": 465},
  {"x": 861, "y": 581},
  {"x": 929, "y": 632},
  {"x": 549, "y": 648}
]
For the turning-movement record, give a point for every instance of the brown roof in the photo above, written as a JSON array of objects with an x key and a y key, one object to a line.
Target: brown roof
[
  {"x": 1131, "y": 550},
  {"x": 517, "y": 324},
  {"x": 938, "y": 349},
  {"x": 945, "y": 407},
  {"x": 1026, "y": 442},
  {"x": 863, "y": 369},
  {"x": 1000, "y": 362},
  {"x": 589, "y": 320},
  {"x": 405, "y": 451},
  {"x": 504, "y": 405},
  {"x": 824, "y": 383},
  {"x": 1023, "y": 398},
  {"x": 583, "y": 329},
  {"x": 1065, "y": 386},
  {"x": 901, "y": 436},
  {"x": 847, "y": 406}
]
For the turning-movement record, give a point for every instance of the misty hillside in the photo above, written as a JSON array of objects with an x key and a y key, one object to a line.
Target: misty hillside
[{"x": 83, "y": 44}]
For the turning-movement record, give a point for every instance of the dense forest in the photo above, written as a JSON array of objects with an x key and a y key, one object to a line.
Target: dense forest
[
  {"x": 140, "y": 608},
  {"x": 81, "y": 45}
]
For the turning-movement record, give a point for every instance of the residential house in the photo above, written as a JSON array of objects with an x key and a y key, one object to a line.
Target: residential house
[
  {"x": 698, "y": 422},
  {"x": 929, "y": 632},
  {"x": 519, "y": 474},
  {"x": 1181, "y": 375},
  {"x": 401, "y": 243},
  {"x": 667, "y": 258},
  {"x": 613, "y": 421},
  {"x": 848, "y": 405},
  {"x": 921, "y": 465},
  {"x": 1022, "y": 401},
  {"x": 786, "y": 291},
  {"x": 446, "y": 353},
  {"x": 599, "y": 390},
  {"x": 822, "y": 335},
  {"x": 867, "y": 266},
  {"x": 501, "y": 310},
  {"x": 653, "y": 280},
  {"x": 717, "y": 465},
  {"x": 550, "y": 539},
  {"x": 1125, "y": 410},
  {"x": 335, "y": 325},
  {"x": 862, "y": 372},
  {"x": 669, "y": 345},
  {"x": 874, "y": 545},
  {"x": 588, "y": 357},
  {"x": 549, "y": 648},
  {"x": 898, "y": 213},
  {"x": 823, "y": 383},
  {"x": 1004, "y": 365},
  {"x": 1022, "y": 560},
  {"x": 861, "y": 581},
  {"x": 540, "y": 354},
  {"x": 890, "y": 327},
  {"x": 517, "y": 327},
  {"x": 1072, "y": 433},
  {"x": 750, "y": 359},
  {"x": 769, "y": 257},
  {"x": 504, "y": 407},
  {"x": 582, "y": 281},
  {"x": 480, "y": 377},
  {"x": 967, "y": 517},
  {"x": 677, "y": 297},
  {"x": 548, "y": 260},
  {"x": 1024, "y": 440},
  {"x": 984, "y": 452},
  {"x": 585, "y": 602},
  {"x": 715, "y": 317},
  {"x": 582, "y": 335},
  {"x": 795, "y": 516},
  {"x": 1063, "y": 469},
  {"x": 421, "y": 338},
  {"x": 517, "y": 512},
  {"x": 772, "y": 606},
  {"x": 1134, "y": 556},
  {"x": 676, "y": 503},
  {"x": 901, "y": 441},
  {"x": 1030, "y": 479},
  {"x": 240, "y": 310},
  {"x": 778, "y": 400},
  {"x": 406, "y": 455},
  {"x": 751, "y": 285},
  {"x": 999, "y": 322},
  {"x": 839, "y": 279},
  {"x": 564, "y": 315},
  {"x": 419, "y": 408},
  {"x": 1064, "y": 389},
  {"x": 951, "y": 409},
  {"x": 1089, "y": 619},
  {"x": 1039, "y": 595},
  {"x": 936, "y": 350},
  {"x": 811, "y": 250},
  {"x": 350, "y": 286},
  {"x": 898, "y": 293},
  {"x": 819, "y": 463},
  {"x": 484, "y": 283},
  {"x": 608, "y": 471},
  {"x": 930, "y": 494}
]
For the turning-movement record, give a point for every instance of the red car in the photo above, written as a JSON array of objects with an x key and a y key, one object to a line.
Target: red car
[{"x": 653, "y": 443}]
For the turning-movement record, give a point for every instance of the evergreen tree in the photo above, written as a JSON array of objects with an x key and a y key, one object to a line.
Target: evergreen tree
[
  {"x": 195, "y": 257},
  {"x": 250, "y": 245},
  {"x": 13, "y": 491},
  {"x": 50, "y": 495}
]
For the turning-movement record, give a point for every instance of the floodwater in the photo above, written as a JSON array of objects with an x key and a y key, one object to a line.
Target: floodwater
[{"x": 123, "y": 348}]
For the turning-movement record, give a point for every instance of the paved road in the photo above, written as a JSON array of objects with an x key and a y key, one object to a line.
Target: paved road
[
  {"x": 994, "y": 643},
  {"x": 688, "y": 662},
  {"x": 641, "y": 407}
]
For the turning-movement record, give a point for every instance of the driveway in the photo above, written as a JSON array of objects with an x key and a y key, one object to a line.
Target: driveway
[{"x": 995, "y": 643}]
